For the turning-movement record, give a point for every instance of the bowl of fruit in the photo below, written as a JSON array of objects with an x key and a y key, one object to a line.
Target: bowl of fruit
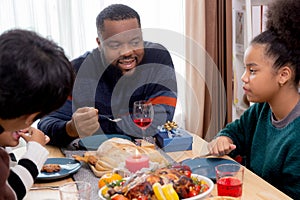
[{"x": 168, "y": 183}]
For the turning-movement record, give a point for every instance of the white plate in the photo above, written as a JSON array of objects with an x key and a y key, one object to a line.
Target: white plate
[
  {"x": 68, "y": 166},
  {"x": 198, "y": 197}
]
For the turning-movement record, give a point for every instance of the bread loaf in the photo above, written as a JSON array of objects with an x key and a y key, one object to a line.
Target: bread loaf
[{"x": 114, "y": 151}]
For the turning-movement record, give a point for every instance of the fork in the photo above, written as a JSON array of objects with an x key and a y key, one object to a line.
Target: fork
[{"x": 112, "y": 120}]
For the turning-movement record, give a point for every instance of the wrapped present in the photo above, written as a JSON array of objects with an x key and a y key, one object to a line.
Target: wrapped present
[{"x": 170, "y": 138}]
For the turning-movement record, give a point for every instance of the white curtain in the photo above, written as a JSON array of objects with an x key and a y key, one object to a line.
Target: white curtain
[{"x": 72, "y": 24}]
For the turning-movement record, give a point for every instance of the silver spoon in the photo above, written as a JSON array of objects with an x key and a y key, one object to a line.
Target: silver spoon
[{"x": 112, "y": 120}]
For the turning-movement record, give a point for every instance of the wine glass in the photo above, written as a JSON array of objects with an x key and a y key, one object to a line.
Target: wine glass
[{"x": 142, "y": 116}]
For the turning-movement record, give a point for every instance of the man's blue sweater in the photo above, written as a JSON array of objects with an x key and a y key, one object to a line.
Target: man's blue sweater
[{"x": 103, "y": 86}]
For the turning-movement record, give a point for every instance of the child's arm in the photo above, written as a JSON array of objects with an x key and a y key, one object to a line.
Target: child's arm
[{"x": 22, "y": 175}]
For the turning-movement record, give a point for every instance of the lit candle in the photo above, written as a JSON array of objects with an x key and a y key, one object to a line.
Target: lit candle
[{"x": 137, "y": 162}]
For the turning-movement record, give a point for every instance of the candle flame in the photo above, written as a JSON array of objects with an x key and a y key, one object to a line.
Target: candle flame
[{"x": 137, "y": 154}]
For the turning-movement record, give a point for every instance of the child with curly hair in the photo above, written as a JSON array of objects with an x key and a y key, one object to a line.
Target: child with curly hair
[{"x": 267, "y": 134}]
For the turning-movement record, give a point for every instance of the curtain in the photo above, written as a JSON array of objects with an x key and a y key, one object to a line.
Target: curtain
[
  {"x": 72, "y": 23},
  {"x": 214, "y": 89},
  {"x": 195, "y": 60},
  {"x": 69, "y": 23}
]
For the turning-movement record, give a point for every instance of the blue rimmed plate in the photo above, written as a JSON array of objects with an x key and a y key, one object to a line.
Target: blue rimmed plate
[
  {"x": 68, "y": 166},
  {"x": 206, "y": 166}
]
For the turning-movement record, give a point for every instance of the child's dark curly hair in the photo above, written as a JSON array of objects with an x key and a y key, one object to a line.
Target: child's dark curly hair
[
  {"x": 282, "y": 35},
  {"x": 283, "y": 17}
]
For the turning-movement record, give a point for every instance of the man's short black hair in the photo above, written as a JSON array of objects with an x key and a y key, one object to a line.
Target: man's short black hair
[{"x": 115, "y": 12}]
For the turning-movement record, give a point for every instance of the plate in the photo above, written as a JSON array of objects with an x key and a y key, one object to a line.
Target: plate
[
  {"x": 93, "y": 142},
  {"x": 68, "y": 166},
  {"x": 206, "y": 166},
  {"x": 198, "y": 197}
]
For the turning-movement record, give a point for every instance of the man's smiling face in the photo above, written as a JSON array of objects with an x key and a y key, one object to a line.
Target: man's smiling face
[{"x": 122, "y": 43}]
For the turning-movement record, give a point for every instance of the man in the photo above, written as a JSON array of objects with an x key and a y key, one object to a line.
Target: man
[
  {"x": 36, "y": 78},
  {"x": 123, "y": 69}
]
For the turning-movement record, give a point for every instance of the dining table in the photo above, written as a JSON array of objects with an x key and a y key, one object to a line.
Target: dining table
[{"x": 254, "y": 187}]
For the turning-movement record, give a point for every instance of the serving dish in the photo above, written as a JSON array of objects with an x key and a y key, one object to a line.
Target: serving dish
[{"x": 203, "y": 195}]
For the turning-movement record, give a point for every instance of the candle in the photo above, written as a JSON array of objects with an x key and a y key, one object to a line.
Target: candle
[{"x": 137, "y": 162}]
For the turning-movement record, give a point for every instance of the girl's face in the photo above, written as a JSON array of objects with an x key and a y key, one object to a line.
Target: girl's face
[
  {"x": 9, "y": 139},
  {"x": 260, "y": 79}
]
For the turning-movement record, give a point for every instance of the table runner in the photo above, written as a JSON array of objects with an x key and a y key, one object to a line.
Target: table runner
[{"x": 84, "y": 173}]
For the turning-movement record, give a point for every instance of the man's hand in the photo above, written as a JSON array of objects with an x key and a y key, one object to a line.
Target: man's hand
[
  {"x": 220, "y": 146},
  {"x": 84, "y": 122}
]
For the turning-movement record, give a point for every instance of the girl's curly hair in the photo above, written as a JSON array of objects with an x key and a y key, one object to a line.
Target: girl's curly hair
[{"x": 283, "y": 17}]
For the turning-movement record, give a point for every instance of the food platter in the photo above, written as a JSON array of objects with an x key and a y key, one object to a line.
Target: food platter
[
  {"x": 200, "y": 196},
  {"x": 68, "y": 166}
]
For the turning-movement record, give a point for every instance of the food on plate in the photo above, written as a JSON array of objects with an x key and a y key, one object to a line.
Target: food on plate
[
  {"x": 50, "y": 168},
  {"x": 108, "y": 178},
  {"x": 114, "y": 151},
  {"x": 91, "y": 159},
  {"x": 168, "y": 183},
  {"x": 169, "y": 192}
]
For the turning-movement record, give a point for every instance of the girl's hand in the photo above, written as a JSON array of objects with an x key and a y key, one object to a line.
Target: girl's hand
[
  {"x": 221, "y": 146},
  {"x": 33, "y": 134}
]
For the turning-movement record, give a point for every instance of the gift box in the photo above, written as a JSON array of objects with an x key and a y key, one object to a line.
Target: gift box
[{"x": 174, "y": 140}]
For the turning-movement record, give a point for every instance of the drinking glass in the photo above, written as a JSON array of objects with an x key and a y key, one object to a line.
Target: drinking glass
[
  {"x": 142, "y": 116},
  {"x": 77, "y": 190},
  {"x": 230, "y": 180}
]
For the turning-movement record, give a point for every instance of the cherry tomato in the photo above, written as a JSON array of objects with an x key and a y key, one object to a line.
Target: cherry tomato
[
  {"x": 188, "y": 173},
  {"x": 197, "y": 188},
  {"x": 186, "y": 168},
  {"x": 142, "y": 198},
  {"x": 193, "y": 193},
  {"x": 119, "y": 197}
]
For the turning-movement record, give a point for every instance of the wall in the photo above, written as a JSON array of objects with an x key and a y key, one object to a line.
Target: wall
[{"x": 248, "y": 20}]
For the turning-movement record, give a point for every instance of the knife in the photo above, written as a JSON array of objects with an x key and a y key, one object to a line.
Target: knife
[{"x": 53, "y": 187}]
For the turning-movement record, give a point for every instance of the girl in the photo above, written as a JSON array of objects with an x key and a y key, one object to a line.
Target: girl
[{"x": 267, "y": 134}]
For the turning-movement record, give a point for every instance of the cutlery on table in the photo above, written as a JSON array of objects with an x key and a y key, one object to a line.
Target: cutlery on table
[
  {"x": 54, "y": 187},
  {"x": 112, "y": 120}
]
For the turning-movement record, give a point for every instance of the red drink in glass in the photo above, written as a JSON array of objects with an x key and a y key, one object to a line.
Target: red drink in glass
[
  {"x": 143, "y": 122},
  {"x": 229, "y": 186}
]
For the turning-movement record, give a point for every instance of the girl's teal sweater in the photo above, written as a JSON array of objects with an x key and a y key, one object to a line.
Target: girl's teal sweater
[{"x": 272, "y": 153}]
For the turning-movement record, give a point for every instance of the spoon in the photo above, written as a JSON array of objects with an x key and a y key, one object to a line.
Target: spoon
[{"x": 112, "y": 120}]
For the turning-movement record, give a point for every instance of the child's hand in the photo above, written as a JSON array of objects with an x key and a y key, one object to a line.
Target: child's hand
[
  {"x": 220, "y": 146},
  {"x": 33, "y": 134}
]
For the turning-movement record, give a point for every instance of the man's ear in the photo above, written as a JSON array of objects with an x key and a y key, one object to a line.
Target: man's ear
[
  {"x": 98, "y": 41},
  {"x": 285, "y": 74}
]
